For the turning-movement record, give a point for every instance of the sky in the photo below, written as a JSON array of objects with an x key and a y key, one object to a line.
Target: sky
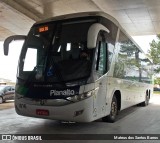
[
  {"x": 143, "y": 41},
  {"x": 8, "y": 64}
]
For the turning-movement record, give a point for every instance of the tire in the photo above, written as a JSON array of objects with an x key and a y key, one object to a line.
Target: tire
[
  {"x": 111, "y": 118},
  {"x": 1, "y": 100},
  {"x": 146, "y": 102}
]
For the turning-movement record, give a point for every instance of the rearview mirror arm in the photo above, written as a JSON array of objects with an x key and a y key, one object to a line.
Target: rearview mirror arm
[{"x": 9, "y": 40}]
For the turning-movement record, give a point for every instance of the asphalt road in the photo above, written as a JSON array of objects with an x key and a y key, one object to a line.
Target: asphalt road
[
  {"x": 7, "y": 105},
  {"x": 134, "y": 120}
]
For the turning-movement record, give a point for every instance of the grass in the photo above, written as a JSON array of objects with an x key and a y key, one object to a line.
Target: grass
[{"x": 156, "y": 92}]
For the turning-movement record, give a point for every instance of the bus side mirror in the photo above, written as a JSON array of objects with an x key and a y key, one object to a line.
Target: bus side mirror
[
  {"x": 93, "y": 34},
  {"x": 9, "y": 40}
]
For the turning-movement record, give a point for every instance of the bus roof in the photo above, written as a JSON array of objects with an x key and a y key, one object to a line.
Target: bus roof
[
  {"x": 76, "y": 15},
  {"x": 85, "y": 14}
]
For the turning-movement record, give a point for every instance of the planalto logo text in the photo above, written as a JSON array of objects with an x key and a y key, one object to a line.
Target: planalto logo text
[{"x": 66, "y": 92}]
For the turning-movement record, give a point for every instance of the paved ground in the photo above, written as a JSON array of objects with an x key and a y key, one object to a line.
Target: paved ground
[
  {"x": 135, "y": 120},
  {"x": 8, "y": 104}
]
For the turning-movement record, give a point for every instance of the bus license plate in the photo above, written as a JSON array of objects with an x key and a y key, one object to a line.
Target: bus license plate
[{"x": 42, "y": 112}]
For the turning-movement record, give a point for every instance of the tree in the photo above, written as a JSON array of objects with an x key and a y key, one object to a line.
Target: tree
[
  {"x": 154, "y": 53},
  {"x": 157, "y": 81}
]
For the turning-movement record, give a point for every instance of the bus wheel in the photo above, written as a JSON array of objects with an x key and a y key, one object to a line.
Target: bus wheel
[
  {"x": 1, "y": 100},
  {"x": 146, "y": 102},
  {"x": 114, "y": 110}
]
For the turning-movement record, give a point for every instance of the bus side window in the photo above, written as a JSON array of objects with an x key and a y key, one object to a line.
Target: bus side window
[
  {"x": 101, "y": 59},
  {"x": 105, "y": 53},
  {"x": 110, "y": 49},
  {"x": 110, "y": 43}
]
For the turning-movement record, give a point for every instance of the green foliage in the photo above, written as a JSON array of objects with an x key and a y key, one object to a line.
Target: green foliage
[
  {"x": 157, "y": 81},
  {"x": 154, "y": 53}
]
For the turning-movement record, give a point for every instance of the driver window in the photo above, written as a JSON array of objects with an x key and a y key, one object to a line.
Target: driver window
[
  {"x": 101, "y": 63},
  {"x": 101, "y": 66}
]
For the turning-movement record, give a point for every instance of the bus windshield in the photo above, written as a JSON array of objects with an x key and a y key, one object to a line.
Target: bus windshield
[{"x": 56, "y": 52}]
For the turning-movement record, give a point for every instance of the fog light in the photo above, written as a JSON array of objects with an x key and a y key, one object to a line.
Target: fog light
[{"x": 77, "y": 113}]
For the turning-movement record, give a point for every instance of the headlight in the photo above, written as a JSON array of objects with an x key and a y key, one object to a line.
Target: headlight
[{"x": 80, "y": 97}]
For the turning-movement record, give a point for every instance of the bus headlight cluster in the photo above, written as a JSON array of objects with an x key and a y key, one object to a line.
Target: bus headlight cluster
[{"x": 80, "y": 97}]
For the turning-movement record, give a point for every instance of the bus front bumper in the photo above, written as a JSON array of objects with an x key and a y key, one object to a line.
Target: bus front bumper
[{"x": 81, "y": 111}]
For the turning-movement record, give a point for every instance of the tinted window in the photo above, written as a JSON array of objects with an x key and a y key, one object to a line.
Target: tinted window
[
  {"x": 110, "y": 47},
  {"x": 105, "y": 53},
  {"x": 53, "y": 52},
  {"x": 131, "y": 63},
  {"x": 146, "y": 68},
  {"x": 12, "y": 88},
  {"x": 101, "y": 65},
  {"x": 126, "y": 63},
  {"x": 7, "y": 89}
]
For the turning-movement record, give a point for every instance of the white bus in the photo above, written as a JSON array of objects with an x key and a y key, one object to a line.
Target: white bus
[{"x": 80, "y": 67}]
